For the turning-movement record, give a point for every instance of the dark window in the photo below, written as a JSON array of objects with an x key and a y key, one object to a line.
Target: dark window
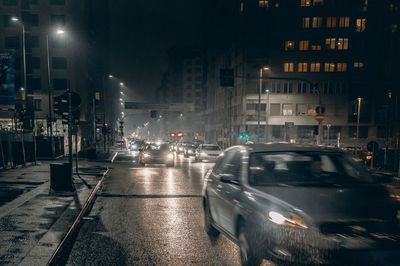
[
  {"x": 10, "y": 2},
  {"x": 37, "y": 104},
  {"x": 35, "y": 62},
  {"x": 277, "y": 131},
  {"x": 12, "y": 42},
  {"x": 57, "y": 20},
  {"x": 60, "y": 84},
  {"x": 34, "y": 83},
  {"x": 34, "y": 20},
  {"x": 57, "y": 2},
  {"x": 33, "y": 42},
  {"x": 59, "y": 62}
]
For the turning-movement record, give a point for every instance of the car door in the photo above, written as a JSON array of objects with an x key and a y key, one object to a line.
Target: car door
[
  {"x": 214, "y": 189},
  {"x": 230, "y": 189}
]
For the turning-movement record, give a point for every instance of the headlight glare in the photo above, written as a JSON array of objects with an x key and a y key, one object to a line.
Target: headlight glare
[
  {"x": 146, "y": 155},
  {"x": 294, "y": 220}
]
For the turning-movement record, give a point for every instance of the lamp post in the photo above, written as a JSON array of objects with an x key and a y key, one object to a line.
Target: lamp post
[
  {"x": 18, "y": 21},
  {"x": 359, "y": 99},
  {"x": 267, "y": 116},
  {"x": 59, "y": 32},
  {"x": 259, "y": 101}
]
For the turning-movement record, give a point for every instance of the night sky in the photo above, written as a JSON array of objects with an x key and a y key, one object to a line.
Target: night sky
[{"x": 141, "y": 31}]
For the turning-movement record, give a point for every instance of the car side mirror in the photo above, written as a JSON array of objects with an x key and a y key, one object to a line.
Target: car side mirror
[{"x": 229, "y": 178}]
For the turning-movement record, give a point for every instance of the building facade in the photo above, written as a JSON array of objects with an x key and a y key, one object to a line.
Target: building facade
[
  {"x": 61, "y": 48},
  {"x": 290, "y": 57},
  {"x": 184, "y": 83}
]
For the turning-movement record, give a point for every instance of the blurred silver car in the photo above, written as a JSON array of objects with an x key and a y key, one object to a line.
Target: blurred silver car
[
  {"x": 207, "y": 152},
  {"x": 298, "y": 204}
]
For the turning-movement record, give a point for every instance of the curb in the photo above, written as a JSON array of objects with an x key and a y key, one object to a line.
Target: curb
[{"x": 57, "y": 257}]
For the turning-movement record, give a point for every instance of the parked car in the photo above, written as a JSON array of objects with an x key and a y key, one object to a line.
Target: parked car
[
  {"x": 207, "y": 152},
  {"x": 156, "y": 154},
  {"x": 299, "y": 204}
]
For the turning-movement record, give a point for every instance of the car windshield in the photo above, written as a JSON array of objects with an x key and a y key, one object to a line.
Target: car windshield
[
  {"x": 305, "y": 169},
  {"x": 211, "y": 148}
]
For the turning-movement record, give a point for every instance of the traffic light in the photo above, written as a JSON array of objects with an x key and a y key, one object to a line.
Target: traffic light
[
  {"x": 153, "y": 114},
  {"x": 226, "y": 77},
  {"x": 244, "y": 136}
]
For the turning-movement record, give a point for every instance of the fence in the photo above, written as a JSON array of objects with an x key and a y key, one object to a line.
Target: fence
[{"x": 16, "y": 148}]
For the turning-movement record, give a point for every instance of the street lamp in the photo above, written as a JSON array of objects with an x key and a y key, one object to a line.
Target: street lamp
[
  {"x": 259, "y": 100},
  {"x": 121, "y": 84},
  {"x": 59, "y": 32},
  {"x": 110, "y": 76},
  {"x": 267, "y": 116}
]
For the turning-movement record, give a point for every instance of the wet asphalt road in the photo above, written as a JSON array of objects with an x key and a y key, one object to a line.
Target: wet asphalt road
[{"x": 150, "y": 216}]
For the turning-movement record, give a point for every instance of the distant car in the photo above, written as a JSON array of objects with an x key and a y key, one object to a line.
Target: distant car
[
  {"x": 189, "y": 150},
  {"x": 156, "y": 154},
  {"x": 207, "y": 152},
  {"x": 297, "y": 204}
]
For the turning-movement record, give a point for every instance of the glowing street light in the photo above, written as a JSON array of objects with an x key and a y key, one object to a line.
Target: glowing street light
[
  {"x": 110, "y": 76},
  {"x": 15, "y": 19},
  {"x": 121, "y": 83},
  {"x": 60, "y": 32},
  {"x": 122, "y": 93}
]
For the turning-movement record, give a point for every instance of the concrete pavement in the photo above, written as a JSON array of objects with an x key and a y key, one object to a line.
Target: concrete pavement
[{"x": 33, "y": 221}]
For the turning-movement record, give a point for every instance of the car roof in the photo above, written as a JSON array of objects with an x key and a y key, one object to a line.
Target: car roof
[{"x": 265, "y": 147}]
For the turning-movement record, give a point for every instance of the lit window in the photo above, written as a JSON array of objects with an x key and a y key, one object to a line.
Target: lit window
[
  {"x": 304, "y": 3},
  {"x": 97, "y": 95},
  {"x": 306, "y": 23},
  {"x": 341, "y": 67},
  {"x": 344, "y": 22},
  {"x": 317, "y": 22},
  {"x": 318, "y": 2},
  {"x": 303, "y": 45},
  {"x": 330, "y": 43},
  {"x": 343, "y": 44},
  {"x": 315, "y": 67},
  {"x": 263, "y": 3},
  {"x": 289, "y": 45},
  {"x": 316, "y": 47},
  {"x": 331, "y": 22},
  {"x": 360, "y": 24},
  {"x": 358, "y": 65},
  {"x": 288, "y": 67},
  {"x": 329, "y": 67},
  {"x": 287, "y": 109},
  {"x": 302, "y": 67}
]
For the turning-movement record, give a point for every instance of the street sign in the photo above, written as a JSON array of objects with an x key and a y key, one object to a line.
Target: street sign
[
  {"x": 289, "y": 124},
  {"x": 319, "y": 118}
]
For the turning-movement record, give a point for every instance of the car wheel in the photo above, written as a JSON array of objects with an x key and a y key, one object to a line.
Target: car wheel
[
  {"x": 248, "y": 256},
  {"x": 211, "y": 231}
]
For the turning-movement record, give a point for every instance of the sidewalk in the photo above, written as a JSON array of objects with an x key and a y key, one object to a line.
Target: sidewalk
[{"x": 33, "y": 221}]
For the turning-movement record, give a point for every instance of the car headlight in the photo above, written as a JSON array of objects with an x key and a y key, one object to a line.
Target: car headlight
[
  {"x": 146, "y": 155},
  {"x": 203, "y": 154},
  {"x": 293, "y": 220},
  {"x": 170, "y": 156}
]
